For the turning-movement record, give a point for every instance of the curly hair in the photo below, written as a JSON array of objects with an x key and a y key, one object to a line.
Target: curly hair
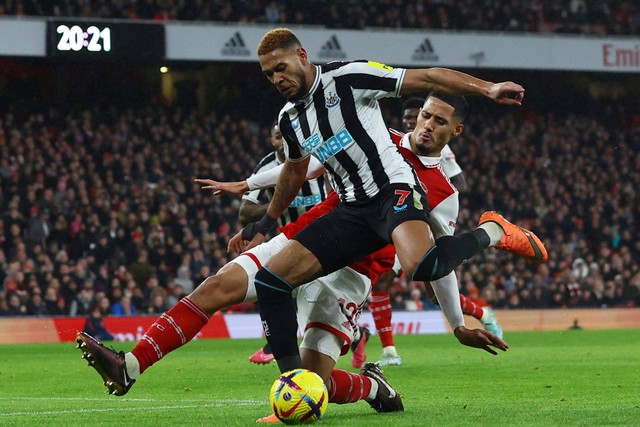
[{"x": 278, "y": 38}]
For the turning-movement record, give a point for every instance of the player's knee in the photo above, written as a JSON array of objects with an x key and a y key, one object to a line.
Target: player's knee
[{"x": 217, "y": 292}]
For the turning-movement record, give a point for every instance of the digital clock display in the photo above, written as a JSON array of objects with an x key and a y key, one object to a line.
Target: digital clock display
[
  {"x": 75, "y": 39},
  {"x": 106, "y": 40}
]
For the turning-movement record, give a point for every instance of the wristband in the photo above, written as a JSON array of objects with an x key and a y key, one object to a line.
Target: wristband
[{"x": 263, "y": 227}]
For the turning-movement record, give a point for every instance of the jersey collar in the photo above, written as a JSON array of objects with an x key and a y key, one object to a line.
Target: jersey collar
[{"x": 427, "y": 161}]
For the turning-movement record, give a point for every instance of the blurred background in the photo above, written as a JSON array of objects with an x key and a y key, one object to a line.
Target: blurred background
[{"x": 102, "y": 133}]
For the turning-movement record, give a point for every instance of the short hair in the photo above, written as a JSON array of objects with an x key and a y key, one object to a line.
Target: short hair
[
  {"x": 459, "y": 104},
  {"x": 278, "y": 38},
  {"x": 413, "y": 102}
]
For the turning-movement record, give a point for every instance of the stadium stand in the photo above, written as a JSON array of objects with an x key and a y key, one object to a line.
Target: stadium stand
[
  {"x": 88, "y": 217},
  {"x": 98, "y": 203},
  {"x": 620, "y": 17}
]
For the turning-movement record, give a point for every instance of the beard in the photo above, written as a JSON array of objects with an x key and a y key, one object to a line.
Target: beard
[{"x": 298, "y": 94}]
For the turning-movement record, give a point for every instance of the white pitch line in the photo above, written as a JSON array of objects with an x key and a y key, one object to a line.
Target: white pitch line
[
  {"x": 153, "y": 408},
  {"x": 125, "y": 399}
]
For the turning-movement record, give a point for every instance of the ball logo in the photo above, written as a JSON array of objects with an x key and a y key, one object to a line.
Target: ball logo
[{"x": 286, "y": 396}]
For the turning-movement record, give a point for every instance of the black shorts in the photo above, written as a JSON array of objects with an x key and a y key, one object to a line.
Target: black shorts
[{"x": 351, "y": 232}]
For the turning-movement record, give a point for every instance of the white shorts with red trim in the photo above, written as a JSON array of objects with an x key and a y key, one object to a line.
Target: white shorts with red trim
[
  {"x": 254, "y": 259},
  {"x": 331, "y": 303}
]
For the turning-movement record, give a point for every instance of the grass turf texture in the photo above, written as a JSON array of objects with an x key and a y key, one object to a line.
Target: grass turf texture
[{"x": 576, "y": 377}]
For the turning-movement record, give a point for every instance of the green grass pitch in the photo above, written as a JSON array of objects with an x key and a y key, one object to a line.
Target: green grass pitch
[{"x": 578, "y": 378}]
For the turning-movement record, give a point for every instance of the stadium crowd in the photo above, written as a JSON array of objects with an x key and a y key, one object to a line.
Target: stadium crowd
[
  {"x": 99, "y": 208},
  {"x": 621, "y": 17}
]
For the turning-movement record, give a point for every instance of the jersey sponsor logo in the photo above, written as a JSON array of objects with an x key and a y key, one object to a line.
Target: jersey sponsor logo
[
  {"x": 331, "y": 100},
  {"x": 379, "y": 65},
  {"x": 322, "y": 150},
  {"x": 304, "y": 201},
  {"x": 332, "y": 49},
  {"x": 235, "y": 46},
  {"x": 425, "y": 52}
]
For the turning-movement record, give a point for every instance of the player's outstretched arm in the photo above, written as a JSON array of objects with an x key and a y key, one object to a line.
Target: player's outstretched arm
[
  {"x": 237, "y": 188},
  {"x": 456, "y": 83},
  {"x": 264, "y": 179},
  {"x": 479, "y": 338}
]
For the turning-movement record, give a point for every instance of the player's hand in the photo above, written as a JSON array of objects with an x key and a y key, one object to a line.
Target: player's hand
[
  {"x": 508, "y": 93},
  {"x": 479, "y": 338},
  {"x": 239, "y": 244},
  {"x": 237, "y": 188}
]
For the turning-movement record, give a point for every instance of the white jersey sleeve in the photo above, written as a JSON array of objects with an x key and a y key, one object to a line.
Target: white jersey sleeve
[
  {"x": 448, "y": 162},
  {"x": 269, "y": 178}
]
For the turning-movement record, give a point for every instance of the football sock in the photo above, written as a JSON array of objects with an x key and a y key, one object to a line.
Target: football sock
[
  {"x": 390, "y": 351},
  {"x": 470, "y": 308},
  {"x": 380, "y": 307},
  {"x": 132, "y": 365},
  {"x": 278, "y": 314},
  {"x": 484, "y": 316},
  {"x": 494, "y": 231},
  {"x": 348, "y": 387},
  {"x": 266, "y": 349},
  {"x": 450, "y": 252},
  {"x": 173, "y": 329}
]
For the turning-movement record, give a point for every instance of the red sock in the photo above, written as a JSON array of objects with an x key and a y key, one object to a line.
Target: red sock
[
  {"x": 470, "y": 308},
  {"x": 381, "y": 309},
  {"x": 347, "y": 387},
  {"x": 171, "y": 330}
]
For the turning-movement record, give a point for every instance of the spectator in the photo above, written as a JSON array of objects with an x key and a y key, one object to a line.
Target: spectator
[
  {"x": 83, "y": 303},
  {"x": 94, "y": 325},
  {"x": 124, "y": 307}
]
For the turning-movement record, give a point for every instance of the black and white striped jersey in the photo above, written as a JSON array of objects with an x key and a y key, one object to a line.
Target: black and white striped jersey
[
  {"x": 340, "y": 123},
  {"x": 311, "y": 193}
]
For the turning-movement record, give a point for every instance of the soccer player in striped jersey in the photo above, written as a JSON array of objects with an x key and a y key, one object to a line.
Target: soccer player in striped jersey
[{"x": 333, "y": 114}]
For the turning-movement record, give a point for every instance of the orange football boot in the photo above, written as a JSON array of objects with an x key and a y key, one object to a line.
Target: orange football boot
[
  {"x": 517, "y": 239},
  {"x": 269, "y": 419}
]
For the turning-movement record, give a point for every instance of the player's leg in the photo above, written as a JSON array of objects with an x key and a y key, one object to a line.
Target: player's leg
[
  {"x": 331, "y": 307},
  {"x": 426, "y": 259},
  {"x": 232, "y": 285},
  {"x": 275, "y": 282},
  {"x": 380, "y": 306},
  {"x": 170, "y": 331},
  {"x": 345, "y": 237}
]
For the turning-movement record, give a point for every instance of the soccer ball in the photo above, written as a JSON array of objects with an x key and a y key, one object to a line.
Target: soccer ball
[{"x": 299, "y": 397}]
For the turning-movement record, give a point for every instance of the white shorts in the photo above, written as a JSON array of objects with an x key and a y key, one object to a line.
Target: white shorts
[{"x": 331, "y": 303}]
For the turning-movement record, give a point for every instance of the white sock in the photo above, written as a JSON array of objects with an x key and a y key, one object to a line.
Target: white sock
[
  {"x": 485, "y": 313},
  {"x": 390, "y": 351},
  {"x": 374, "y": 389},
  {"x": 133, "y": 366},
  {"x": 494, "y": 231}
]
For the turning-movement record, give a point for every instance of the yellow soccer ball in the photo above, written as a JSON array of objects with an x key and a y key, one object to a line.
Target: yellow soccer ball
[{"x": 299, "y": 397}]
